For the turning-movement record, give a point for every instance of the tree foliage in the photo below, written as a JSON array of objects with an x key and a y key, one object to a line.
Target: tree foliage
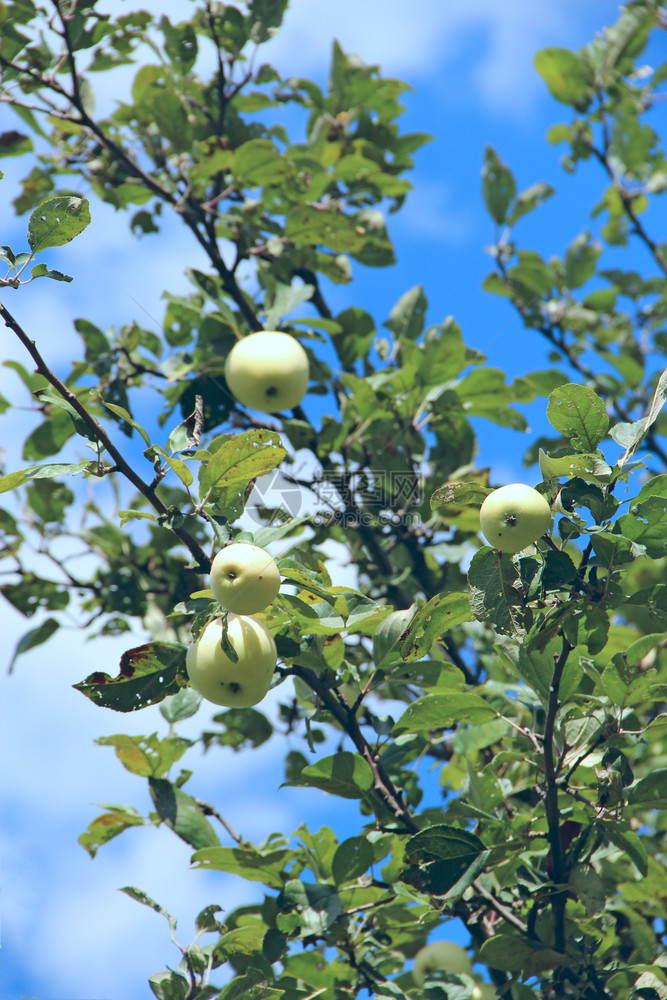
[{"x": 536, "y": 684}]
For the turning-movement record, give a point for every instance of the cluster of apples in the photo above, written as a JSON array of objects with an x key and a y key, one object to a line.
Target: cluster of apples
[
  {"x": 244, "y": 579},
  {"x": 266, "y": 371},
  {"x": 269, "y": 371}
]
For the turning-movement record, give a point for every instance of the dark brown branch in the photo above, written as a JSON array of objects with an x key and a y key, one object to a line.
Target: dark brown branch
[
  {"x": 383, "y": 787},
  {"x": 549, "y": 332},
  {"x": 626, "y": 196},
  {"x": 202, "y": 560},
  {"x": 208, "y": 810}
]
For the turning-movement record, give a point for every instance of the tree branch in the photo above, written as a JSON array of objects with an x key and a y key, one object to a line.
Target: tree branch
[
  {"x": 383, "y": 787},
  {"x": 202, "y": 560}
]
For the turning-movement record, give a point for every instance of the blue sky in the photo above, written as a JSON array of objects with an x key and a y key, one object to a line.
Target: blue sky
[{"x": 67, "y": 932}]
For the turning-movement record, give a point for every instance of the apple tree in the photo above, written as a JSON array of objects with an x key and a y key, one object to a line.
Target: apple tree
[{"x": 534, "y": 681}]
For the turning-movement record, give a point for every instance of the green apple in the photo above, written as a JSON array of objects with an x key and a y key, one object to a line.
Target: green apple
[
  {"x": 483, "y": 991},
  {"x": 244, "y": 578},
  {"x": 514, "y": 516},
  {"x": 440, "y": 955},
  {"x": 217, "y": 678},
  {"x": 267, "y": 371}
]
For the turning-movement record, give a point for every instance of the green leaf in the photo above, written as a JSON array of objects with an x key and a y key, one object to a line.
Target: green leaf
[
  {"x": 513, "y": 954},
  {"x": 54, "y": 398},
  {"x": 34, "y": 637},
  {"x": 353, "y": 335},
  {"x": 94, "y": 340},
  {"x": 444, "y": 860},
  {"x": 260, "y": 162},
  {"x": 42, "y": 271},
  {"x": 442, "y": 711},
  {"x": 579, "y": 415},
  {"x": 631, "y": 435},
  {"x": 175, "y": 464},
  {"x": 352, "y": 858},
  {"x": 109, "y": 825},
  {"x": 628, "y": 841},
  {"x": 180, "y": 44},
  {"x": 182, "y": 705},
  {"x": 386, "y": 638},
  {"x": 455, "y": 496},
  {"x": 529, "y": 199},
  {"x": 650, "y": 792},
  {"x": 406, "y": 319},
  {"x": 147, "y": 756},
  {"x": 315, "y": 225},
  {"x": 266, "y": 16},
  {"x": 468, "y": 740},
  {"x": 590, "y": 468},
  {"x": 172, "y": 120},
  {"x": 441, "y": 614},
  {"x": 32, "y": 594},
  {"x": 318, "y": 906},
  {"x": 13, "y": 143},
  {"x": 182, "y": 814},
  {"x": 496, "y": 594},
  {"x": 566, "y": 74},
  {"x": 169, "y": 985},
  {"x": 57, "y": 221},
  {"x": 250, "y": 986},
  {"x": 230, "y": 462},
  {"x": 48, "y": 437},
  {"x": 531, "y": 279},
  {"x": 581, "y": 260},
  {"x": 498, "y": 186},
  {"x": 142, "y": 897},
  {"x": 246, "y": 861},
  {"x": 121, "y": 412},
  {"x": 147, "y": 674},
  {"x": 136, "y": 515},
  {"x": 345, "y": 774},
  {"x": 285, "y": 299}
]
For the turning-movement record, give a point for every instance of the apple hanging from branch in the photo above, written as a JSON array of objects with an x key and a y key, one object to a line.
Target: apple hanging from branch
[
  {"x": 268, "y": 371},
  {"x": 439, "y": 956},
  {"x": 221, "y": 680},
  {"x": 514, "y": 516},
  {"x": 244, "y": 578}
]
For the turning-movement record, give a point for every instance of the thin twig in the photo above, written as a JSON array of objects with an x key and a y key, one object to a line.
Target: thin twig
[
  {"x": 198, "y": 554},
  {"x": 208, "y": 810},
  {"x": 500, "y": 909}
]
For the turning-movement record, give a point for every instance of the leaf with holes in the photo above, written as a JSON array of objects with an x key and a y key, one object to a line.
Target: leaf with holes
[
  {"x": 57, "y": 221},
  {"x": 442, "y": 613},
  {"x": 497, "y": 593},
  {"x": 147, "y": 675}
]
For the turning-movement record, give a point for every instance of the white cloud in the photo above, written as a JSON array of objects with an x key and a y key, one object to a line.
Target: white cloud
[
  {"x": 431, "y": 211},
  {"x": 428, "y": 41},
  {"x": 58, "y": 900}
]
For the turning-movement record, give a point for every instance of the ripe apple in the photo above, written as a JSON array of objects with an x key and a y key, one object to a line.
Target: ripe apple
[
  {"x": 267, "y": 371},
  {"x": 219, "y": 679},
  {"x": 244, "y": 578},
  {"x": 514, "y": 516},
  {"x": 440, "y": 955}
]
